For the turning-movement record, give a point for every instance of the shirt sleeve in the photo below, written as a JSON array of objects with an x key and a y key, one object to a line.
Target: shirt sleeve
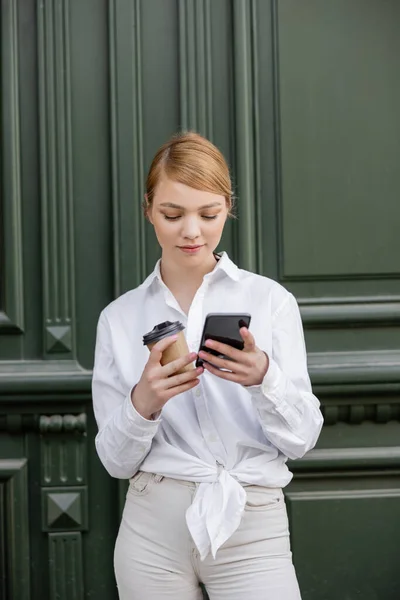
[
  {"x": 124, "y": 437},
  {"x": 287, "y": 409}
]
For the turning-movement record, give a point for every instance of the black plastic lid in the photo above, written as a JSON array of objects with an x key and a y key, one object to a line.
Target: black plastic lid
[{"x": 162, "y": 330}]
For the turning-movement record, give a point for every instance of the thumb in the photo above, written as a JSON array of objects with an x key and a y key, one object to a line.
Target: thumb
[{"x": 249, "y": 341}]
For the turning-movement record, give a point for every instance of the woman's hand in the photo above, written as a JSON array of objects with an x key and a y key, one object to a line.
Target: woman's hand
[
  {"x": 247, "y": 367},
  {"x": 158, "y": 384}
]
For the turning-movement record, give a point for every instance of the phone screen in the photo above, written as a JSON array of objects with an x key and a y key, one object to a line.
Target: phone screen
[{"x": 224, "y": 328}]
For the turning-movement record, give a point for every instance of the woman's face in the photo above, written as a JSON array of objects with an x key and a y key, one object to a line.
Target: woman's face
[{"x": 188, "y": 223}]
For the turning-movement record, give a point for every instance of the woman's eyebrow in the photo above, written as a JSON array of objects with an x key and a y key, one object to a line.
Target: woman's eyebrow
[{"x": 172, "y": 205}]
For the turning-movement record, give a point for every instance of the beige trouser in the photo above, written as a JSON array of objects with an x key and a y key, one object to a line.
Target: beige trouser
[{"x": 155, "y": 557}]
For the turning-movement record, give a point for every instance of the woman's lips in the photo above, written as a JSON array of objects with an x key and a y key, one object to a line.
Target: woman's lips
[{"x": 190, "y": 249}]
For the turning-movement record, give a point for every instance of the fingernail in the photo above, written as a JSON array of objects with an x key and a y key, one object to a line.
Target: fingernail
[
  {"x": 209, "y": 343},
  {"x": 200, "y": 369}
]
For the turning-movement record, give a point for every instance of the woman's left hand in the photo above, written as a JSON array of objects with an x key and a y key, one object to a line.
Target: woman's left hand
[{"x": 247, "y": 367}]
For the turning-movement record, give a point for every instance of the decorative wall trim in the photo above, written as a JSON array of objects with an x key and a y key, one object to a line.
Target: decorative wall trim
[
  {"x": 277, "y": 139},
  {"x": 63, "y": 423},
  {"x": 195, "y": 55},
  {"x": 333, "y": 374},
  {"x": 63, "y": 458},
  {"x": 347, "y": 460},
  {"x": 317, "y": 496},
  {"x": 366, "y": 367},
  {"x": 355, "y": 414},
  {"x": 340, "y": 277},
  {"x": 13, "y": 472},
  {"x": 54, "y": 378},
  {"x": 12, "y": 319},
  {"x": 115, "y": 190},
  {"x": 17, "y": 423},
  {"x": 354, "y": 312},
  {"x": 380, "y": 409},
  {"x": 64, "y": 509},
  {"x": 246, "y": 122},
  {"x": 66, "y": 574},
  {"x": 56, "y": 177},
  {"x": 127, "y": 151}
]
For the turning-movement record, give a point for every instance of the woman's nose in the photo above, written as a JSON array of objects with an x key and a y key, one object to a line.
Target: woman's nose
[{"x": 191, "y": 228}]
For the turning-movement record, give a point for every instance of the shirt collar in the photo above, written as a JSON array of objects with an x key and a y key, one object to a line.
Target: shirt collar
[{"x": 224, "y": 264}]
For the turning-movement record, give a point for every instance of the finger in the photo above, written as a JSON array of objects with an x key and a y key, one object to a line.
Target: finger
[
  {"x": 178, "y": 364},
  {"x": 182, "y": 378},
  {"x": 222, "y": 363},
  {"x": 225, "y": 349},
  {"x": 158, "y": 349},
  {"x": 249, "y": 341},
  {"x": 181, "y": 388},
  {"x": 228, "y": 376}
]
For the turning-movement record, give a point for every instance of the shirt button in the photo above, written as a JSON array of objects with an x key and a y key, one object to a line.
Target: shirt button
[{"x": 197, "y": 393}]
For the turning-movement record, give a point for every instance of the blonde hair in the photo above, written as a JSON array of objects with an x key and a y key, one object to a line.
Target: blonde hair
[{"x": 191, "y": 159}]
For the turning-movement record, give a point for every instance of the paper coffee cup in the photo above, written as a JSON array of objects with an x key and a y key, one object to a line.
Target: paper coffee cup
[{"x": 177, "y": 350}]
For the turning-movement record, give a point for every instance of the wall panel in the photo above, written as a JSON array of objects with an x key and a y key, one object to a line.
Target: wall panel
[
  {"x": 340, "y": 137},
  {"x": 11, "y": 280}
]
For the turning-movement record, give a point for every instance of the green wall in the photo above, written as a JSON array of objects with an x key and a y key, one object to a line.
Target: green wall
[{"x": 303, "y": 98}]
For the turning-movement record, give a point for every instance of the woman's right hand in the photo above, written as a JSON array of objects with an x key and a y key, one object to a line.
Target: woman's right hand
[{"x": 158, "y": 384}]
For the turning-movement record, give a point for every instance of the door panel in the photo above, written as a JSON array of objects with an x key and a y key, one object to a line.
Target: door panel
[{"x": 302, "y": 98}]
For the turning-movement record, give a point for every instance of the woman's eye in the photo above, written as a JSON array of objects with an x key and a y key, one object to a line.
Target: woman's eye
[
  {"x": 171, "y": 218},
  {"x": 209, "y": 217}
]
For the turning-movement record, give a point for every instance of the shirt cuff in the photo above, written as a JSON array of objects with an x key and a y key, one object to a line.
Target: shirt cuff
[
  {"x": 270, "y": 382},
  {"x": 266, "y": 395},
  {"x": 140, "y": 425}
]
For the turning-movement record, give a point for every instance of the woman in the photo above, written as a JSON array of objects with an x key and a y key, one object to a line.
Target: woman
[{"x": 205, "y": 450}]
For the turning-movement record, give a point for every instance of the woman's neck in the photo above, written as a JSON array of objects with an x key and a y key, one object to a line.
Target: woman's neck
[{"x": 181, "y": 280}]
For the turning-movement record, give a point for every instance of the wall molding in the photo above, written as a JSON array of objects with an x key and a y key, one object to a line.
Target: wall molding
[
  {"x": 333, "y": 374},
  {"x": 353, "y": 388},
  {"x": 13, "y": 473},
  {"x": 246, "y": 128},
  {"x": 277, "y": 139},
  {"x": 64, "y": 508},
  {"x": 126, "y": 100},
  {"x": 21, "y": 380},
  {"x": 347, "y": 460},
  {"x": 66, "y": 558},
  {"x": 360, "y": 412},
  {"x": 354, "y": 312},
  {"x": 12, "y": 318},
  {"x": 195, "y": 66},
  {"x": 379, "y": 410},
  {"x": 56, "y": 178},
  {"x": 285, "y": 278},
  {"x": 16, "y": 423},
  {"x": 366, "y": 367},
  {"x": 63, "y": 423}
]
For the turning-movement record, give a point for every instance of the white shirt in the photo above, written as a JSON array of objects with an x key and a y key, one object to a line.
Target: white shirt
[{"x": 219, "y": 434}]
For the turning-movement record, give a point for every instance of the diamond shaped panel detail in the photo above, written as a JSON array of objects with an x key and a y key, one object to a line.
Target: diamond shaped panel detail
[
  {"x": 64, "y": 510},
  {"x": 58, "y": 338}
]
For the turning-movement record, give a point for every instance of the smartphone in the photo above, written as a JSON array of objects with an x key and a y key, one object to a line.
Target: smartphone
[{"x": 223, "y": 327}]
